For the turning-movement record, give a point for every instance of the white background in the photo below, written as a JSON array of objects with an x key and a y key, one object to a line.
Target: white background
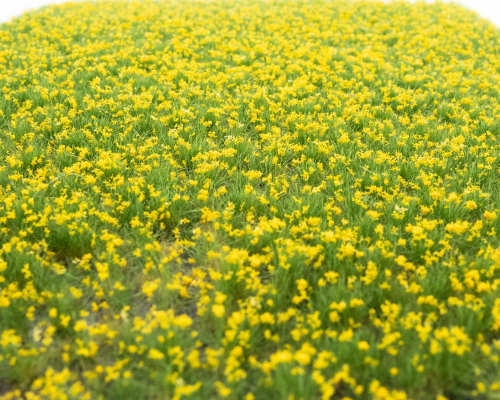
[{"x": 10, "y": 8}]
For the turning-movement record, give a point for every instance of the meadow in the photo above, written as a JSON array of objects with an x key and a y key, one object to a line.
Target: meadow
[{"x": 249, "y": 200}]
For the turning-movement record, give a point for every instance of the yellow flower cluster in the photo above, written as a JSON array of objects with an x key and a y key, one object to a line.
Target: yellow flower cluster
[{"x": 249, "y": 200}]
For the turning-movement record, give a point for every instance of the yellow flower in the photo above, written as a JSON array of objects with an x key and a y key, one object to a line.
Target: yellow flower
[
  {"x": 155, "y": 354},
  {"x": 218, "y": 310},
  {"x": 490, "y": 215},
  {"x": 470, "y": 205},
  {"x": 363, "y": 346}
]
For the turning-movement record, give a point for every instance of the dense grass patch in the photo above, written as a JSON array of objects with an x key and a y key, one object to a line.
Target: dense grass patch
[{"x": 249, "y": 200}]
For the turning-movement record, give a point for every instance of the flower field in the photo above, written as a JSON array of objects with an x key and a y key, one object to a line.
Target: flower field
[{"x": 250, "y": 200}]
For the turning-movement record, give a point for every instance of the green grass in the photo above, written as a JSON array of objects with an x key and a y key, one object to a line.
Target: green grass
[{"x": 249, "y": 200}]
